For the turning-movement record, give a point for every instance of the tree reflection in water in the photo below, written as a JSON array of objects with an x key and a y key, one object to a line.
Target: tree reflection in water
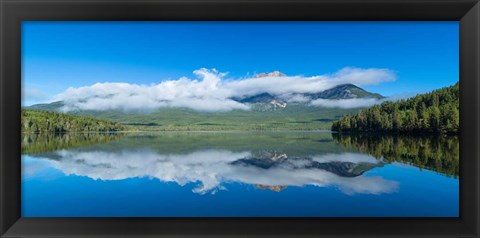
[{"x": 439, "y": 153}]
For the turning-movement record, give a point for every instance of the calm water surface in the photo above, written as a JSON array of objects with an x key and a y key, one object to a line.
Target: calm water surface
[{"x": 227, "y": 174}]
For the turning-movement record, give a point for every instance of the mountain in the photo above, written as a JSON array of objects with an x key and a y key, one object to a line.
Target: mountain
[
  {"x": 343, "y": 91},
  {"x": 264, "y": 102},
  {"x": 271, "y": 74},
  {"x": 268, "y": 102},
  {"x": 52, "y": 107}
]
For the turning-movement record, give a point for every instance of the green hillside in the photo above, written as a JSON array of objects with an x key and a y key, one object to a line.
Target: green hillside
[
  {"x": 293, "y": 117},
  {"x": 434, "y": 112},
  {"x": 34, "y": 121}
]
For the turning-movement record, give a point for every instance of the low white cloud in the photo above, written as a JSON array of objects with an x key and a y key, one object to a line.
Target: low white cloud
[
  {"x": 212, "y": 169},
  {"x": 359, "y": 102},
  {"x": 295, "y": 98},
  {"x": 313, "y": 84},
  {"x": 346, "y": 103},
  {"x": 211, "y": 91}
]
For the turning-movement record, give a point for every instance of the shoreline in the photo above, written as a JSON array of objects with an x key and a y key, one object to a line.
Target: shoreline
[
  {"x": 243, "y": 132},
  {"x": 181, "y": 131}
]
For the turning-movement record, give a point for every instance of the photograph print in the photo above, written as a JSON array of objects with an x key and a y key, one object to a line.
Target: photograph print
[{"x": 240, "y": 119}]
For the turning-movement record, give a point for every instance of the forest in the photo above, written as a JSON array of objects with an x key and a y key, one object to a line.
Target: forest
[
  {"x": 34, "y": 121},
  {"x": 435, "y": 112}
]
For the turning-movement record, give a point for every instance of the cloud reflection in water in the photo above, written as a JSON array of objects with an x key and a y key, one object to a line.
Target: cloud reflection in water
[{"x": 211, "y": 169}]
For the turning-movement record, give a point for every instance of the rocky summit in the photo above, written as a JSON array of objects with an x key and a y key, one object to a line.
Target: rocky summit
[{"x": 271, "y": 74}]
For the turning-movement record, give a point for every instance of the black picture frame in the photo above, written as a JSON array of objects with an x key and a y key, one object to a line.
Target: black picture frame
[{"x": 12, "y": 12}]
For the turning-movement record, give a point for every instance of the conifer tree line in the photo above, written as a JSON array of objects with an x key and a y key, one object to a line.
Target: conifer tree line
[
  {"x": 434, "y": 112},
  {"x": 34, "y": 121}
]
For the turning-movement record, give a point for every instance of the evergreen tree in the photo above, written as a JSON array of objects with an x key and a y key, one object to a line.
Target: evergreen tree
[
  {"x": 34, "y": 121},
  {"x": 435, "y": 112}
]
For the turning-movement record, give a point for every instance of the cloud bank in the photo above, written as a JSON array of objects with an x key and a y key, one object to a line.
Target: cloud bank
[
  {"x": 212, "y": 169},
  {"x": 212, "y": 91},
  {"x": 347, "y": 103}
]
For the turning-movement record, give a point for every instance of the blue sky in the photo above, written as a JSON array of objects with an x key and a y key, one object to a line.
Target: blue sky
[{"x": 59, "y": 55}]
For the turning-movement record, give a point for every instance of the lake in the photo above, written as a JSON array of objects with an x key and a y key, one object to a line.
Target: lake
[{"x": 239, "y": 174}]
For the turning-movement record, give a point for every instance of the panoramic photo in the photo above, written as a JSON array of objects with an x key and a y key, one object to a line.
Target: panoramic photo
[{"x": 240, "y": 119}]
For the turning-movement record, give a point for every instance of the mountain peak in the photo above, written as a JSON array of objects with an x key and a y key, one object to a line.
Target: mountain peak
[
  {"x": 347, "y": 85},
  {"x": 275, "y": 188},
  {"x": 275, "y": 73}
]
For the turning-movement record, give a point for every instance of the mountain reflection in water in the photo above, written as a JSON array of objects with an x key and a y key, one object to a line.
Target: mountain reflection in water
[{"x": 221, "y": 168}]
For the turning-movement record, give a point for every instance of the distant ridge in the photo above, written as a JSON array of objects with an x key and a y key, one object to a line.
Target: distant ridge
[
  {"x": 344, "y": 91},
  {"x": 53, "y": 107}
]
